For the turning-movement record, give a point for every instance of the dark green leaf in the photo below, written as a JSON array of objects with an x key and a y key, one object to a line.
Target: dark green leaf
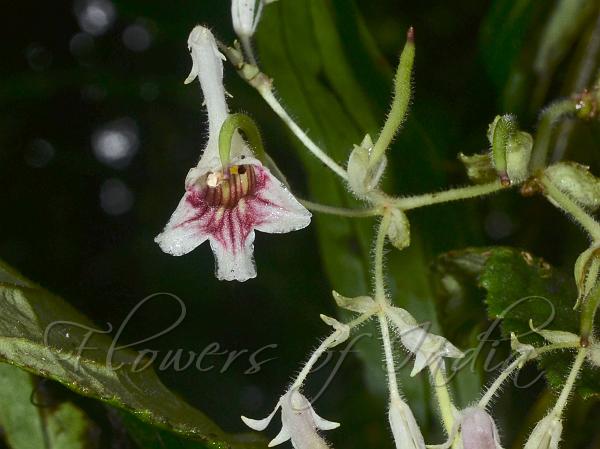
[
  {"x": 46, "y": 336},
  {"x": 520, "y": 287}
]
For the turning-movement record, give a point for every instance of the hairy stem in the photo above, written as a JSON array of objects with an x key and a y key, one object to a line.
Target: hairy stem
[
  {"x": 341, "y": 211},
  {"x": 442, "y": 393},
  {"x": 548, "y": 119},
  {"x": 461, "y": 193},
  {"x": 402, "y": 91},
  {"x": 266, "y": 91},
  {"x": 493, "y": 388},
  {"x": 382, "y": 301},
  {"x": 324, "y": 346},
  {"x": 561, "y": 402}
]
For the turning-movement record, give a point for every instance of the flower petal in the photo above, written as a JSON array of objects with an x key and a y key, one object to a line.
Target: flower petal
[
  {"x": 182, "y": 233},
  {"x": 322, "y": 423},
  {"x": 208, "y": 67},
  {"x": 261, "y": 424},
  {"x": 234, "y": 263},
  {"x": 281, "y": 437},
  {"x": 279, "y": 210}
]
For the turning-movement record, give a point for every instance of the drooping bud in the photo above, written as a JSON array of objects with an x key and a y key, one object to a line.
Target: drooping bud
[
  {"x": 299, "y": 423},
  {"x": 478, "y": 429},
  {"x": 360, "y": 304},
  {"x": 405, "y": 429},
  {"x": 546, "y": 434},
  {"x": 428, "y": 348},
  {"x": 576, "y": 181},
  {"x": 556, "y": 337},
  {"x": 399, "y": 229},
  {"x": 511, "y": 149}
]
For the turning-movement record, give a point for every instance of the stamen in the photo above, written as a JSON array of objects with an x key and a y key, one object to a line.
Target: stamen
[{"x": 227, "y": 190}]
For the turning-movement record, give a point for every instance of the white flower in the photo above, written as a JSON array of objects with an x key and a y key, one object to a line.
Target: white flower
[
  {"x": 405, "y": 429},
  {"x": 427, "y": 348},
  {"x": 226, "y": 204},
  {"x": 245, "y": 15},
  {"x": 545, "y": 434},
  {"x": 299, "y": 423},
  {"x": 478, "y": 429}
]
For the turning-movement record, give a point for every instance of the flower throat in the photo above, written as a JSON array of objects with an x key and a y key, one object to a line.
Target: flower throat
[{"x": 226, "y": 190}]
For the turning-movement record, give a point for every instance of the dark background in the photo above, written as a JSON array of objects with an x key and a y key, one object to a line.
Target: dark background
[{"x": 97, "y": 133}]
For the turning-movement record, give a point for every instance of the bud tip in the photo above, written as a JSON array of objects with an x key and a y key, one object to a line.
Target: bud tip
[{"x": 410, "y": 34}]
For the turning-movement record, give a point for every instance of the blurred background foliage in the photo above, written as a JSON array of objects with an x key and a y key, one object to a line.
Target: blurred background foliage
[{"x": 97, "y": 132}]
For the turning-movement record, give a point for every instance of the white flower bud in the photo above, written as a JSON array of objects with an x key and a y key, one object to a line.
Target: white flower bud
[
  {"x": 478, "y": 430},
  {"x": 361, "y": 178},
  {"x": 245, "y": 15},
  {"x": 556, "y": 336},
  {"x": 428, "y": 348},
  {"x": 360, "y": 304},
  {"x": 576, "y": 181},
  {"x": 405, "y": 429},
  {"x": 399, "y": 229},
  {"x": 546, "y": 434}
]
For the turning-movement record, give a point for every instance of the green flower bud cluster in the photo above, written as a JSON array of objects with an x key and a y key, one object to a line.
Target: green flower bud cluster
[{"x": 510, "y": 149}]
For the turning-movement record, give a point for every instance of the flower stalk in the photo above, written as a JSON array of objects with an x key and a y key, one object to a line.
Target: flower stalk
[{"x": 400, "y": 102}]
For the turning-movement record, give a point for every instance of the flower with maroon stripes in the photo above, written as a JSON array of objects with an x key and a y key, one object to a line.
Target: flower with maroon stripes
[{"x": 225, "y": 203}]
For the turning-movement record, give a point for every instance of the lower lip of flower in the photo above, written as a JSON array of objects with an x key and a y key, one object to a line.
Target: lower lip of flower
[{"x": 227, "y": 189}]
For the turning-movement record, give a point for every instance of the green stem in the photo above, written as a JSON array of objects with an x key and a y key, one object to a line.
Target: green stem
[
  {"x": 325, "y": 344},
  {"x": 555, "y": 347},
  {"x": 565, "y": 203},
  {"x": 266, "y": 91},
  {"x": 492, "y": 389},
  {"x": 251, "y": 134},
  {"x": 380, "y": 296},
  {"x": 442, "y": 393},
  {"x": 548, "y": 119},
  {"x": 389, "y": 356},
  {"x": 341, "y": 211},
  {"x": 561, "y": 402},
  {"x": 382, "y": 301},
  {"x": 461, "y": 193},
  {"x": 402, "y": 92}
]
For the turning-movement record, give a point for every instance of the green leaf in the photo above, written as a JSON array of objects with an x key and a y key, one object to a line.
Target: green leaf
[
  {"x": 30, "y": 426},
  {"x": 520, "y": 287},
  {"x": 43, "y": 334},
  {"x": 148, "y": 437}
]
